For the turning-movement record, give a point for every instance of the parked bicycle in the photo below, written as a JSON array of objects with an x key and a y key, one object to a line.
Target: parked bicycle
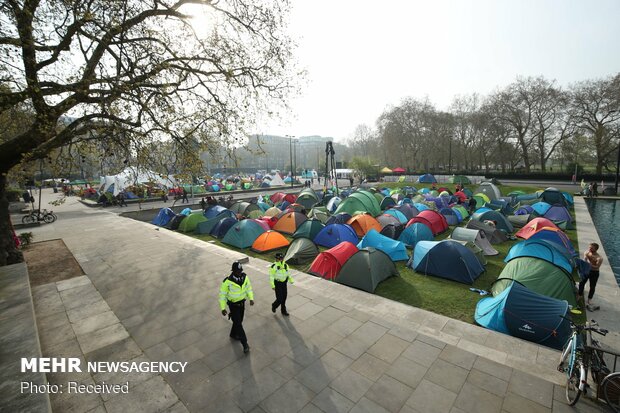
[
  {"x": 579, "y": 357},
  {"x": 39, "y": 216}
]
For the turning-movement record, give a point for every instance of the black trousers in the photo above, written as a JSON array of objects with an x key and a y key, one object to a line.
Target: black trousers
[
  {"x": 593, "y": 278},
  {"x": 281, "y": 294},
  {"x": 236, "y": 315}
]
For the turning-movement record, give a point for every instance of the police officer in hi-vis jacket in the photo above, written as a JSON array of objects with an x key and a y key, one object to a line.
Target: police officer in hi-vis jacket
[
  {"x": 279, "y": 275},
  {"x": 235, "y": 289}
]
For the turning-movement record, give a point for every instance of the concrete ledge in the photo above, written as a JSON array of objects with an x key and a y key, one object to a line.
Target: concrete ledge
[{"x": 18, "y": 338}]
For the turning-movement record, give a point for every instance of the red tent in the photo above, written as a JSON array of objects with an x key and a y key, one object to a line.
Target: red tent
[
  {"x": 461, "y": 196},
  {"x": 279, "y": 197},
  {"x": 398, "y": 170},
  {"x": 534, "y": 226},
  {"x": 271, "y": 221},
  {"x": 432, "y": 219},
  {"x": 328, "y": 263}
]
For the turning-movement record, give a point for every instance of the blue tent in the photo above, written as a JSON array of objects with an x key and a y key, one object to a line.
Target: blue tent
[
  {"x": 395, "y": 249},
  {"x": 450, "y": 216},
  {"x": 263, "y": 206},
  {"x": 420, "y": 207},
  {"x": 398, "y": 215},
  {"x": 409, "y": 210},
  {"x": 340, "y": 218},
  {"x": 187, "y": 212},
  {"x": 501, "y": 222},
  {"x": 526, "y": 197},
  {"x": 333, "y": 203},
  {"x": 334, "y": 234},
  {"x": 427, "y": 179},
  {"x": 543, "y": 249},
  {"x": 414, "y": 233},
  {"x": 213, "y": 211},
  {"x": 525, "y": 314},
  {"x": 446, "y": 259},
  {"x": 163, "y": 217},
  {"x": 424, "y": 191},
  {"x": 207, "y": 226},
  {"x": 568, "y": 197},
  {"x": 215, "y": 188},
  {"x": 557, "y": 237},
  {"x": 221, "y": 228},
  {"x": 405, "y": 200},
  {"x": 541, "y": 208},
  {"x": 553, "y": 196},
  {"x": 524, "y": 210}
]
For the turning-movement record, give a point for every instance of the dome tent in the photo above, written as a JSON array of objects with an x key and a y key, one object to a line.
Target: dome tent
[
  {"x": 334, "y": 234},
  {"x": 477, "y": 237},
  {"x": 269, "y": 241},
  {"x": 446, "y": 259},
  {"x": 534, "y": 226},
  {"x": 365, "y": 269},
  {"x": 500, "y": 220},
  {"x": 221, "y": 227},
  {"x": 300, "y": 251},
  {"x": 415, "y": 233},
  {"x": 363, "y": 223},
  {"x": 523, "y": 313},
  {"x": 328, "y": 263},
  {"x": 163, "y": 217},
  {"x": 206, "y": 226},
  {"x": 243, "y": 234},
  {"x": 309, "y": 229},
  {"x": 395, "y": 249},
  {"x": 543, "y": 249},
  {"x": 289, "y": 222},
  {"x": 190, "y": 223}
]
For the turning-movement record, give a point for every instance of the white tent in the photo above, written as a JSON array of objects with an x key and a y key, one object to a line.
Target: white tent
[
  {"x": 477, "y": 237},
  {"x": 276, "y": 180},
  {"x": 133, "y": 176}
]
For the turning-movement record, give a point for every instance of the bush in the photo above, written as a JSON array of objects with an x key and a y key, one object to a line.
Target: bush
[
  {"x": 25, "y": 238},
  {"x": 13, "y": 194}
]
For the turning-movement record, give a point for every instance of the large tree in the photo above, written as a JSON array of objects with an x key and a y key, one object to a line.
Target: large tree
[{"x": 133, "y": 72}]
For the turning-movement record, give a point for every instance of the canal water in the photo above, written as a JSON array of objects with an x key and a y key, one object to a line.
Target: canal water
[{"x": 606, "y": 217}]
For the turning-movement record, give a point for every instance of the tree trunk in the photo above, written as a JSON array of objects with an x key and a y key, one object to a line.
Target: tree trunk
[{"x": 9, "y": 254}]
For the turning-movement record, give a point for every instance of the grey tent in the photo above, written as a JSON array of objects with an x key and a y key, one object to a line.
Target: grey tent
[
  {"x": 475, "y": 249},
  {"x": 366, "y": 269},
  {"x": 300, "y": 251},
  {"x": 490, "y": 190},
  {"x": 476, "y": 236},
  {"x": 519, "y": 221},
  {"x": 494, "y": 235}
]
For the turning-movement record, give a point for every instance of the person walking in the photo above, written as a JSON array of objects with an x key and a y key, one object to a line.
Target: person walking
[
  {"x": 121, "y": 199},
  {"x": 185, "y": 196},
  {"x": 593, "y": 258},
  {"x": 234, "y": 291},
  {"x": 279, "y": 275}
]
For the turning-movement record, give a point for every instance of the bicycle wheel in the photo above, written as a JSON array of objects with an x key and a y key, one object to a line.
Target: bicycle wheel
[
  {"x": 572, "y": 384},
  {"x": 611, "y": 391},
  {"x": 48, "y": 218},
  {"x": 28, "y": 219}
]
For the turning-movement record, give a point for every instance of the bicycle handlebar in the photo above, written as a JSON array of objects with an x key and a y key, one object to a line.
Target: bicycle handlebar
[{"x": 591, "y": 326}]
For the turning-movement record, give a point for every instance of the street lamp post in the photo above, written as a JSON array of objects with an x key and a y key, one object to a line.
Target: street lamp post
[{"x": 290, "y": 150}]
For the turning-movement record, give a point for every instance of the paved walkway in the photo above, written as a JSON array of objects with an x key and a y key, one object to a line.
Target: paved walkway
[{"x": 151, "y": 294}]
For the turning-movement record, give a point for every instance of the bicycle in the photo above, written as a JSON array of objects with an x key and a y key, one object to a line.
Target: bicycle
[
  {"x": 37, "y": 216},
  {"x": 589, "y": 357}
]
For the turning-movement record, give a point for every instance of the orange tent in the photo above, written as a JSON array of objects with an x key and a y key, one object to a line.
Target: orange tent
[
  {"x": 269, "y": 241},
  {"x": 534, "y": 226},
  {"x": 288, "y": 223},
  {"x": 363, "y": 223}
]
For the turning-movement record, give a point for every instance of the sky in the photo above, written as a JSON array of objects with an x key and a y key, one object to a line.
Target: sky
[{"x": 362, "y": 57}]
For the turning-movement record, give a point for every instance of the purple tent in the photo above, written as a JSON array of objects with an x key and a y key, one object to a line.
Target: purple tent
[
  {"x": 558, "y": 214},
  {"x": 524, "y": 210}
]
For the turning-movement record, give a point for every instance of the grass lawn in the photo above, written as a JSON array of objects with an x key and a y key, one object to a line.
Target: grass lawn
[{"x": 440, "y": 296}]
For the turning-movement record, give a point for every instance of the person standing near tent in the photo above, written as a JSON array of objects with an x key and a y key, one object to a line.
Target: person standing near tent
[
  {"x": 279, "y": 275},
  {"x": 121, "y": 199},
  {"x": 593, "y": 258},
  {"x": 234, "y": 291},
  {"x": 472, "y": 205},
  {"x": 185, "y": 196}
]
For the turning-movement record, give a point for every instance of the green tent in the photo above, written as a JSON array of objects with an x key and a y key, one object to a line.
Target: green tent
[
  {"x": 230, "y": 187},
  {"x": 256, "y": 213},
  {"x": 379, "y": 196},
  {"x": 190, "y": 223},
  {"x": 307, "y": 197},
  {"x": 198, "y": 189},
  {"x": 366, "y": 269},
  {"x": 317, "y": 213},
  {"x": 301, "y": 251},
  {"x": 387, "y": 202},
  {"x": 459, "y": 179},
  {"x": 205, "y": 227},
  {"x": 360, "y": 201},
  {"x": 461, "y": 210},
  {"x": 244, "y": 208},
  {"x": 309, "y": 229},
  {"x": 538, "y": 275},
  {"x": 243, "y": 234},
  {"x": 519, "y": 221}
]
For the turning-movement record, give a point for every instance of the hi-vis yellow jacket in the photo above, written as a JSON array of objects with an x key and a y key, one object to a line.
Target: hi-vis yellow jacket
[
  {"x": 232, "y": 291},
  {"x": 279, "y": 272}
]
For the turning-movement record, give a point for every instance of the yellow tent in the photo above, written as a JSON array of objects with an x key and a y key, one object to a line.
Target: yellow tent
[{"x": 386, "y": 170}]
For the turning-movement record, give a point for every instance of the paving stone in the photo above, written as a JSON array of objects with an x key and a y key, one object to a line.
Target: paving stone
[
  {"x": 369, "y": 332},
  {"x": 389, "y": 393},
  {"x": 93, "y": 323},
  {"x": 330, "y": 400},
  {"x": 352, "y": 385},
  {"x": 51, "y": 321},
  {"x": 219, "y": 359},
  {"x": 256, "y": 388},
  {"x": 388, "y": 348},
  {"x": 513, "y": 403},
  {"x": 102, "y": 337},
  {"x": 473, "y": 399},
  {"x": 429, "y": 397},
  {"x": 286, "y": 367},
  {"x": 183, "y": 340},
  {"x": 532, "y": 388},
  {"x": 311, "y": 408},
  {"x": 123, "y": 350},
  {"x": 366, "y": 405},
  {"x": 495, "y": 369},
  {"x": 352, "y": 347},
  {"x": 330, "y": 314},
  {"x": 345, "y": 325},
  {"x": 370, "y": 366},
  {"x": 307, "y": 310},
  {"x": 458, "y": 357},
  {"x": 487, "y": 382},
  {"x": 461, "y": 329},
  {"x": 73, "y": 283},
  {"x": 447, "y": 375},
  {"x": 291, "y": 397},
  {"x": 324, "y": 340},
  {"x": 407, "y": 371},
  {"x": 195, "y": 372},
  {"x": 404, "y": 333},
  {"x": 56, "y": 336},
  {"x": 359, "y": 315},
  {"x": 320, "y": 373},
  {"x": 189, "y": 354},
  {"x": 176, "y": 408},
  {"x": 303, "y": 355},
  {"x": 158, "y": 352},
  {"x": 422, "y": 353},
  {"x": 89, "y": 310},
  {"x": 431, "y": 340}
]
